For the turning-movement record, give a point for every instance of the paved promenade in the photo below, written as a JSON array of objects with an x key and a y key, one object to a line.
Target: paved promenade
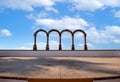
[{"x": 59, "y": 67}]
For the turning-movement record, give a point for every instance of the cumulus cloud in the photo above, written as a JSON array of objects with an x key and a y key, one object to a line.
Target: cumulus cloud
[
  {"x": 92, "y": 5},
  {"x": 51, "y": 9},
  {"x": 111, "y": 3},
  {"x": 63, "y": 23},
  {"x": 117, "y": 14},
  {"x": 113, "y": 30},
  {"x": 53, "y": 45},
  {"x": 116, "y": 41},
  {"x": 89, "y": 45},
  {"x": 107, "y": 35},
  {"x": 23, "y": 48},
  {"x": 27, "y": 5},
  {"x": 5, "y": 33},
  {"x": 87, "y": 4},
  {"x": 41, "y": 45},
  {"x": 34, "y": 16},
  {"x": 95, "y": 36}
]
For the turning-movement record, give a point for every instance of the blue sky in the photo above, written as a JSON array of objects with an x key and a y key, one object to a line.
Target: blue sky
[{"x": 100, "y": 19}]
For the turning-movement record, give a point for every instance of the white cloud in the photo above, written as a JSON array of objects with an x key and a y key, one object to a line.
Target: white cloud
[
  {"x": 95, "y": 36},
  {"x": 89, "y": 46},
  {"x": 53, "y": 45},
  {"x": 23, "y": 48},
  {"x": 116, "y": 41},
  {"x": 41, "y": 45},
  {"x": 34, "y": 16},
  {"x": 113, "y": 30},
  {"x": 108, "y": 35},
  {"x": 117, "y": 13},
  {"x": 111, "y": 3},
  {"x": 90, "y": 5},
  {"x": 63, "y": 23},
  {"x": 29, "y": 46},
  {"x": 5, "y": 33},
  {"x": 27, "y": 5},
  {"x": 1, "y": 10},
  {"x": 51, "y": 9}
]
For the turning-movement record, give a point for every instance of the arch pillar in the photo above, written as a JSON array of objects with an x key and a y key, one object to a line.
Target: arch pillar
[
  {"x": 34, "y": 46},
  {"x": 73, "y": 46},
  {"x": 85, "y": 45},
  {"x": 47, "y": 45},
  {"x": 60, "y": 45}
]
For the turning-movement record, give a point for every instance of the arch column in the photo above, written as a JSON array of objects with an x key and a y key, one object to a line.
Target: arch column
[
  {"x": 34, "y": 46},
  {"x": 60, "y": 45},
  {"x": 85, "y": 45},
  {"x": 73, "y": 47},
  {"x": 47, "y": 45}
]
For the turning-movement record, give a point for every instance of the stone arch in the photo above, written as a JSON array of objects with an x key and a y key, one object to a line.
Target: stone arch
[
  {"x": 60, "y": 34},
  {"x": 67, "y": 30},
  {"x": 35, "y": 36},
  {"x": 54, "y": 30},
  {"x": 85, "y": 45}
]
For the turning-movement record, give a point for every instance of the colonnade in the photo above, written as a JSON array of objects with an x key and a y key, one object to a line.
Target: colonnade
[{"x": 60, "y": 35}]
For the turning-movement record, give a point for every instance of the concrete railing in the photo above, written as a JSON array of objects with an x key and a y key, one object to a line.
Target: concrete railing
[{"x": 55, "y": 53}]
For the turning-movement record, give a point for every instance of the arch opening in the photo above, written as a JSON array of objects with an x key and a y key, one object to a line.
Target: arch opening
[
  {"x": 78, "y": 41},
  {"x": 41, "y": 41},
  {"x": 66, "y": 38},
  {"x": 54, "y": 43}
]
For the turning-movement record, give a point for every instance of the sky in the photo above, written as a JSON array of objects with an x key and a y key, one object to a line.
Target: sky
[{"x": 100, "y": 19}]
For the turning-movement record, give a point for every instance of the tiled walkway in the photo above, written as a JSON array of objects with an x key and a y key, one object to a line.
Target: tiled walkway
[{"x": 59, "y": 67}]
